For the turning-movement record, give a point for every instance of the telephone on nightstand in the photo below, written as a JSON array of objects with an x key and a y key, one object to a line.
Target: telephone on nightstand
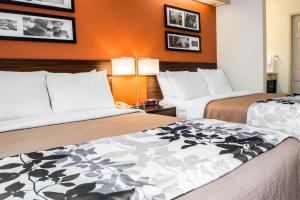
[
  {"x": 122, "y": 105},
  {"x": 150, "y": 102}
]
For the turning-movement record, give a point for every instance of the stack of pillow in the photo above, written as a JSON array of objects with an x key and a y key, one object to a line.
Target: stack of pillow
[
  {"x": 27, "y": 94},
  {"x": 190, "y": 85}
]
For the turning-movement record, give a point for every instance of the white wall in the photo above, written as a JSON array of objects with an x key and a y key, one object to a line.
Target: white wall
[
  {"x": 241, "y": 43},
  {"x": 278, "y": 14}
]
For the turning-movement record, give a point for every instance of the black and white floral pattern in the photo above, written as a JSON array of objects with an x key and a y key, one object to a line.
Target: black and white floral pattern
[
  {"x": 161, "y": 163},
  {"x": 281, "y": 113},
  {"x": 243, "y": 146},
  {"x": 289, "y": 100}
]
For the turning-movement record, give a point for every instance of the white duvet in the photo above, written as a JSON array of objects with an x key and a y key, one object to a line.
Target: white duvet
[
  {"x": 281, "y": 114},
  {"x": 157, "y": 164},
  {"x": 53, "y": 119},
  {"x": 195, "y": 108}
]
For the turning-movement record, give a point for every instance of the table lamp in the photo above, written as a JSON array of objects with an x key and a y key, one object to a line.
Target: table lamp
[
  {"x": 147, "y": 67},
  {"x": 123, "y": 66},
  {"x": 132, "y": 66}
]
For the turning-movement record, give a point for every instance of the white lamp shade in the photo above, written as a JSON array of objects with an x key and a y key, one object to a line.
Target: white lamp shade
[
  {"x": 123, "y": 66},
  {"x": 272, "y": 63},
  {"x": 148, "y": 66}
]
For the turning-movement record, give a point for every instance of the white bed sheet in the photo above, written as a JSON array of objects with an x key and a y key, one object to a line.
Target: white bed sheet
[
  {"x": 53, "y": 118},
  {"x": 195, "y": 108},
  {"x": 179, "y": 104}
]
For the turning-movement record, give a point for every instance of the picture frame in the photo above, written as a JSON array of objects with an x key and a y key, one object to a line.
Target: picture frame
[
  {"x": 28, "y": 26},
  {"x": 179, "y": 18},
  {"x": 183, "y": 42},
  {"x": 59, "y": 5}
]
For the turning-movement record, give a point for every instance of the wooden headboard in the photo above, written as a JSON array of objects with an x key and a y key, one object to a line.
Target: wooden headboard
[
  {"x": 154, "y": 91},
  {"x": 76, "y": 66},
  {"x": 57, "y": 66}
]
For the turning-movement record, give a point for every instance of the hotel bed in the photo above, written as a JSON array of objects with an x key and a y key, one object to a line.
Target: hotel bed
[
  {"x": 259, "y": 178},
  {"x": 126, "y": 154},
  {"x": 208, "y": 94}
]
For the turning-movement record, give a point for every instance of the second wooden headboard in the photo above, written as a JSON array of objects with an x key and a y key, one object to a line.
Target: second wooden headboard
[{"x": 154, "y": 91}]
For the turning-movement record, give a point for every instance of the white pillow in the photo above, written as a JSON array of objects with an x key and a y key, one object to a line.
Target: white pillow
[
  {"x": 166, "y": 88},
  {"x": 23, "y": 94},
  {"x": 167, "y": 91},
  {"x": 216, "y": 80},
  {"x": 188, "y": 85},
  {"x": 76, "y": 92}
]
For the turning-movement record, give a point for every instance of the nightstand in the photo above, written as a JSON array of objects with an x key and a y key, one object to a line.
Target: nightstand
[
  {"x": 271, "y": 83},
  {"x": 158, "y": 110}
]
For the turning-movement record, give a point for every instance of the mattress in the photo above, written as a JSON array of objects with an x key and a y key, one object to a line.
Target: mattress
[{"x": 258, "y": 179}]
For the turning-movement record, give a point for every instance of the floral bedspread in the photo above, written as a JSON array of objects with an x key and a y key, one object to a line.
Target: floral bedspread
[
  {"x": 161, "y": 163},
  {"x": 279, "y": 113}
]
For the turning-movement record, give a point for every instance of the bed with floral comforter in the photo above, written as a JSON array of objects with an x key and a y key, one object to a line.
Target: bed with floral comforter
[{"x": 161, "y": 163}]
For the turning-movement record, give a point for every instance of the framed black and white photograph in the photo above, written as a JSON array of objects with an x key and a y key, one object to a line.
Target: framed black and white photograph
[
  {"x": 183, "y": 42},
  {"x": 17, "y": 25},
  {"x": 62, "y": 5},
  {"x": 182, "y": 19}
]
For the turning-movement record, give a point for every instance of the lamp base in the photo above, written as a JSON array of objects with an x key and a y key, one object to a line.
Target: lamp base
[{"x": 140, "y": 106}]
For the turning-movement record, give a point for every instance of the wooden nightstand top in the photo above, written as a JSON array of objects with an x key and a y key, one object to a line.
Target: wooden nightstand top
[
  {"x": 157, "y": 108},
  {"x": 171, "y": 111}
]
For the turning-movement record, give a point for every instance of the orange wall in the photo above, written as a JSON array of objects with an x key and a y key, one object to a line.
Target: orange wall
[{"x": 113, "y": 28}]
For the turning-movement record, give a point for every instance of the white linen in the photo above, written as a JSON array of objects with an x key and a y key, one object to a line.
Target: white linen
[
  {"x": 157, "y": 164},
  {"x": 53, "y": 118},
  {"x": 195, "y": 108},
  {"x": 216, "y": 80},
  {"x": 23, "y": 94},
  {"x": 188, "y": 85},
  {"x": 167, "y": 91},
  {"x": 166, "y": 88},
  {"x": 82, "y": 91},
  {"x": 167, "y": 103},
  {"x": 281, "y": 114},
  {"x": 178, "y": 103}
]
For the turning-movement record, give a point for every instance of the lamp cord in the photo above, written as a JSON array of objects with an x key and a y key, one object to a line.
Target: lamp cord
[{"x": 137, "y": 83}]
